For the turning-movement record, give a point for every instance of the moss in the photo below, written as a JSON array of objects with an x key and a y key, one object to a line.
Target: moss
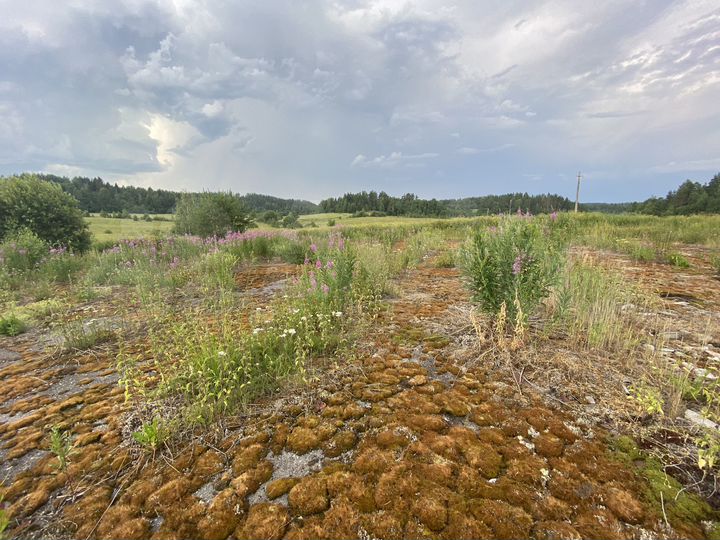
[
  {"x": 713, "y": 531},
  {"x": 660, "y": 488}
]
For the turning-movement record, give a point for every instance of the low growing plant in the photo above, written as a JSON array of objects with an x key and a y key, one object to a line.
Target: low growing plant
[
  {"x": 61, "y": 446},
  {"x": 12, "y": 325},
  {"x": 152, "y": 434}
]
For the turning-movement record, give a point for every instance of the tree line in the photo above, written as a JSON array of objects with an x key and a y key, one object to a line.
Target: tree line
[
  {"x": 411, "y": 205},
  {"x": 690, "y": 198},
  {"x": 95, "y": 195}
]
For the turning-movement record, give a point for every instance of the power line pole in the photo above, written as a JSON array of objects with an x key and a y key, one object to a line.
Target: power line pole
[{"x": 577, "y": 192}]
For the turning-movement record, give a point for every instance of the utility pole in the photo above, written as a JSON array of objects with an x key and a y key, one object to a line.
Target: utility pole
[{"x": 577, "y": 192}]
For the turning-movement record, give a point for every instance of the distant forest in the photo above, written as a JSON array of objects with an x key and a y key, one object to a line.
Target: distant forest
[
  {"x": 410, "y": 205},
  {"x": 95, "y": 195},
  {"x": 690, "y": 198}
]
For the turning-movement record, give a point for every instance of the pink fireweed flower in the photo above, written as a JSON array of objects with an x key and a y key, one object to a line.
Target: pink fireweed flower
[
  {"x": 307, "y": 261},
  {"x": 318, "y": 264},
  {"x": 517, "y": 265},
  {"x": 330, "y": 264},
  {"x": 554, "y": 216},
  {"x": 313, "y": 248},
  {"x": 325, "y": 288}
]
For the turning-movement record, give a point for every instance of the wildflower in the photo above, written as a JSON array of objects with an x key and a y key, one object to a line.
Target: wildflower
[
  {"x": 221, "y": 353},
  {"x": 554, "y": 216},
  {"x": 313, "y": 283},
  {"x": 318, "y": 264},
  {"x": 330, "y": 264},
  {"x": 291, "y": 331},
  {"x": 313, "y": 248},
  {"x": 307, "y": 261},
  {"x": 257, "y": 331},
  {"x": 325, "y": 288},
  {"x": 517, "y": 265}
]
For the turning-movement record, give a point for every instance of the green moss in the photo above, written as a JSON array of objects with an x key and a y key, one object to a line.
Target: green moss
[
  {"x": 661, "y": 488},
  {"x": 413, "y": 336},
  {"x": 713, "y": 531}
]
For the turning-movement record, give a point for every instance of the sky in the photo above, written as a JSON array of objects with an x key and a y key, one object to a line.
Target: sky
[{"x": 312, "y": 98}]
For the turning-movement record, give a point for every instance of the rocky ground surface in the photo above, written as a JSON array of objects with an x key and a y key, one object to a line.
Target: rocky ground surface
[{"x": 412, "y": 438}]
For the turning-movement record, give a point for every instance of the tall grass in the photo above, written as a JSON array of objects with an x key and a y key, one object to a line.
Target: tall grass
[{"x": 596, "y": 309}]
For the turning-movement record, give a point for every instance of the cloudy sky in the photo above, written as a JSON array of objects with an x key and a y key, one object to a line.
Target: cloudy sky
[{"x": 313, "y": 98}]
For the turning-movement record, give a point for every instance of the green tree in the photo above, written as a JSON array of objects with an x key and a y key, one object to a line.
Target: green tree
[
  {"x": 211, "y": 214},
  {"x": 27, "y": 202}
]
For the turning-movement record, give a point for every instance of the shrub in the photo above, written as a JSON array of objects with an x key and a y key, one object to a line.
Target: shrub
[
  {"x": 211, "y": 214},
  {"x": 512, "y": 267},
  {"x": 677, "y": 259},
  {"x": 331, "y": 223},
  {"x": 26, "y": 202},
  {"x": 11, "y": 325},
  {"x": 22, "y": 251}
]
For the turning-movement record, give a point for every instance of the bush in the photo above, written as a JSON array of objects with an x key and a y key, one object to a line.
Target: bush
[
  {"x": 513, "y": 266},
  {"x": 26, "y": 202},
  {"x": 22, "y": 251},
  {"x": 211, "y": 214},
  {"x": 11, "y": 325}
]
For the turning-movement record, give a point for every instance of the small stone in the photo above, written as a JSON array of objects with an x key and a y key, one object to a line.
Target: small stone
[
  {"x": 699, "y": 420},
  {"x": 590, "y": 400}
]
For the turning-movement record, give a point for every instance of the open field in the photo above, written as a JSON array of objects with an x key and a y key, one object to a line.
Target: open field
[
  {"x": 115, "y": 229},
  {"x": 351, "y": 382}
]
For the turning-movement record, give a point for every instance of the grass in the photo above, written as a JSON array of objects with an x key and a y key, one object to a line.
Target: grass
[{"x": 126, "y": 228}]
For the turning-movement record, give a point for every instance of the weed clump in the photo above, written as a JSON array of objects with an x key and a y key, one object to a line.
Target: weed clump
[{"x": 512, "y": 267}]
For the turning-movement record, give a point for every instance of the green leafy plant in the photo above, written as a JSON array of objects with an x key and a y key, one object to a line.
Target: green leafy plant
[
  {"x": 649, "y": 399},
  {"x": 61, "y": 446},
  {"x": 152, "y": 434},
  {"x": 677, "y": 259},
  {"x": 513, "y": 265},
  {"x": 22, "y": 250},
  {"x": 11, "y": 325},
  {"x": 211, "y": 214},
  {"x": 27, "y": 202}
]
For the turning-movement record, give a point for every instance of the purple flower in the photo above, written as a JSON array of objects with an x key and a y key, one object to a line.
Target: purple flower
[
  {"x": 175, "y": 261},
  {"x": 313, "y": 248},
  {"x": 313, "y": 283},
  {"x": 330, "y": 264},
  {"x": 554, "y": 216},
  {"x": 307, "y": 261},
  {"x": 318, "y": 264},
  {"x": 517, "y": 265},
  {"x": 325, "y": 288}
]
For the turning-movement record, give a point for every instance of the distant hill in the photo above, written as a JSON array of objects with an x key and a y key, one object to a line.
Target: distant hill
[{"x": 95, "y": 195}]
